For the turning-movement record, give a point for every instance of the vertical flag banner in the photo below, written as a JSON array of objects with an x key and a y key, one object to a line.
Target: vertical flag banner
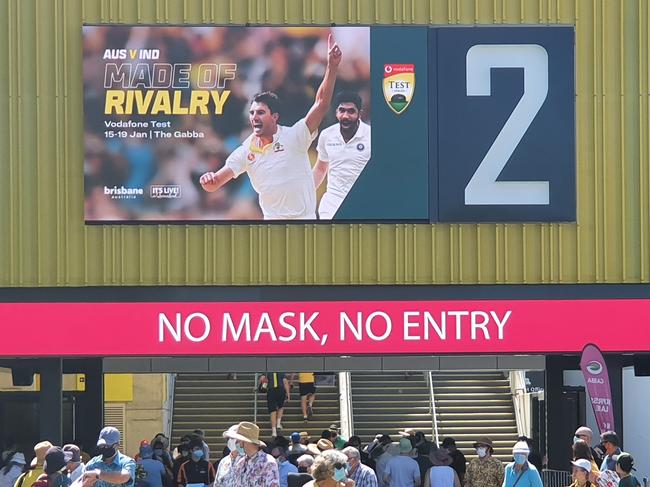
[{"x": 596, "y": 377}]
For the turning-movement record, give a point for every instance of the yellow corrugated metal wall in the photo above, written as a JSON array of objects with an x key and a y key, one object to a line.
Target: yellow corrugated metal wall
[{"x": 43, "y": 240}]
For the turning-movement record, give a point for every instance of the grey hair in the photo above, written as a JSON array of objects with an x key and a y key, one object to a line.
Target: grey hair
[
  {"x": 352, "y": 451},
  {"x": 323, "y": 467},
  {"x": 307, "y": 459}
]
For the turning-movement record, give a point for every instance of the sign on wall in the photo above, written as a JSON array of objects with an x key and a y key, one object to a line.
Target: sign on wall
[
  {"x": 244, "y": 124},
  {"x": 323, "y": 328}
]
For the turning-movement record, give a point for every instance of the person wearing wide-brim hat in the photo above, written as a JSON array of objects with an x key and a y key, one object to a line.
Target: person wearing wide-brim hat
[
  {"x": 223, "y": 477},
  {"x": 485, "y": 470},
  {"x": 55, "y": 471},
  {"x": 318, "y": 448},
  {"x": 441, "y": 474},
  {"x": 253, "y": 466}
]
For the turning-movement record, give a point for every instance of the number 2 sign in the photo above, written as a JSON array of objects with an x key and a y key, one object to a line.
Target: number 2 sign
[{"x": 504, "y": 134}]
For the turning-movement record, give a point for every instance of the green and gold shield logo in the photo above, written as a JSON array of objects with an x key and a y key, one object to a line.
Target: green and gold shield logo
[{"x": 399, "y": 86}]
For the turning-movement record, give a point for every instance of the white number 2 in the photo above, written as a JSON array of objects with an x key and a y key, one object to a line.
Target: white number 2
[{"x": 483, "y": 188}]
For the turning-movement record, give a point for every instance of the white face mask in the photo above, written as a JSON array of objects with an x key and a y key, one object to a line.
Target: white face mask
[
  {"x": 481, "y": 451},
  {"x": 232, "y": 444}
]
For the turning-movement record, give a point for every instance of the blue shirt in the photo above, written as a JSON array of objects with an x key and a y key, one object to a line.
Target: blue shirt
[
  {"x": 285, "y": 468},
  {"x": 364, "y": 476},
  {"x": 120, "y": 462},
  {"x": 529, "y": 477},
  {"x": 609, "y": 463},
  {"x": 403, "y": 471},
  {"x": 155, "y": 471}
]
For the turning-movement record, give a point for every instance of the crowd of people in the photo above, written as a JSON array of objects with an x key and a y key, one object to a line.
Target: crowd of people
[{"x": 298, "y": 460}]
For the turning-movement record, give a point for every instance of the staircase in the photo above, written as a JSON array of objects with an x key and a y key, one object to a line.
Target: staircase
[
  {"x": 473, "y": 405},
  {"x": 389, "y": 402},
  {"x": 213, "y": 403},
  {"x": 327, "y": 411}
]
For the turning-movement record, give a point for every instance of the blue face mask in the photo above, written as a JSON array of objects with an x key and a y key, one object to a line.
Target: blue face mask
[
  {"x": 158, "y": 452},
  {"x": 197, "y": 455},
  {"x": 339, "y": 474},
  {"x": 240, "y": 449},
  {"x": 520, "y": 458}
]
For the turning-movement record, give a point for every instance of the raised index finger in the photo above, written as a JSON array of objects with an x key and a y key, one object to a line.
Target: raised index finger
[{"x": 329, "y": 42}]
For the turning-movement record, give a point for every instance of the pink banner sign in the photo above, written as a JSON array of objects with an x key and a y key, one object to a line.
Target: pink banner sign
[
  {"x": 318, "y": 327},
  {"x": 594, "y": 370}
]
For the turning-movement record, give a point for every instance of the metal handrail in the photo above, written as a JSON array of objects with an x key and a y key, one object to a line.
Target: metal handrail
[
  {"x": 256, "y": 379},
  {"x": 169, "y": 407},
  {"x": 433, "y": 409}
]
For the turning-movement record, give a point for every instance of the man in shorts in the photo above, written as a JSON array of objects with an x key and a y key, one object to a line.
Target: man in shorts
[
  {"x": 278, "y": 392},
  {"x": 307, "y": 387}
]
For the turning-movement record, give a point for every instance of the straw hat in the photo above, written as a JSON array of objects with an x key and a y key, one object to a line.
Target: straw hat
[
  {"x": 248, "y": 432},
  {"x": 322, "y": 445},
  {"x": 40, "y": 449}
]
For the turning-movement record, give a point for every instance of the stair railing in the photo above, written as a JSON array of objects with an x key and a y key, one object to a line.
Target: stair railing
[
  {"x": 168, "y": 407},
  {"x": 345, "y": 405},
  {"x": 256, "y": 379},
  {"x": 434, "y": 415}
]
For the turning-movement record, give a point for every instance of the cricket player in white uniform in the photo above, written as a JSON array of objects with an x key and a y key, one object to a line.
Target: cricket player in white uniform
[
  {"x": 275, "y": 157},
  {"x": 343, "y": 151}
]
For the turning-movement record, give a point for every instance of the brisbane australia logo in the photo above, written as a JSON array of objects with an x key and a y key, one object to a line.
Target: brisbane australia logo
[{"x": 399, "y": 86}]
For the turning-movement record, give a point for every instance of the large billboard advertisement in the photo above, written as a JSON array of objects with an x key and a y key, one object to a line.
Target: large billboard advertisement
[{"x": 224, "y": 124}]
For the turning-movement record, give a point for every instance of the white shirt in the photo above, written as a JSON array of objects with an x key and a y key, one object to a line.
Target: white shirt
[
  {"x": 441, "y": 476},
  {"x": 280, "y": 172},
  {"x": 345, "y": 161}
]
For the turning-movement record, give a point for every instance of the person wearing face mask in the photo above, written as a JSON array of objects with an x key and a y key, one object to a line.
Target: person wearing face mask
[
  {"x": 285, "y": 467},
  {"x": 329, "y": 470},
  {"x": 196, "y": 470},
  {"x": 362, "y": 475},
  {"x": 110, "y": 467},
  {"x": 55, "y": 469},
  {"x": 521, "y": 473},
  {"x": 183, "y": 456},
  {"x": 224, "y": 475},
  {"x": 585, "y": 434},
  {"x": 254, "y": 467},
  {"x": 156, "y": 472},
  {"x": 75, "y": 465},
  {"x": 612, "y": 445},
  {"x": 484, "y": 471},
  {"x": 161, "y": 454}
]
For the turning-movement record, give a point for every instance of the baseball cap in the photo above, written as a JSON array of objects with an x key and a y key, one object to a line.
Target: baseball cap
[
  {"x": 108, "y": 436},
  {"x": 295, "y": 437},
  {"x": 56, "y": 459},
  {"x": 626, "y": 462},
  {"x": 583, "y": 463},
  {"x": 76, "y": 453},
  {"x": 405, "y": 445}
]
